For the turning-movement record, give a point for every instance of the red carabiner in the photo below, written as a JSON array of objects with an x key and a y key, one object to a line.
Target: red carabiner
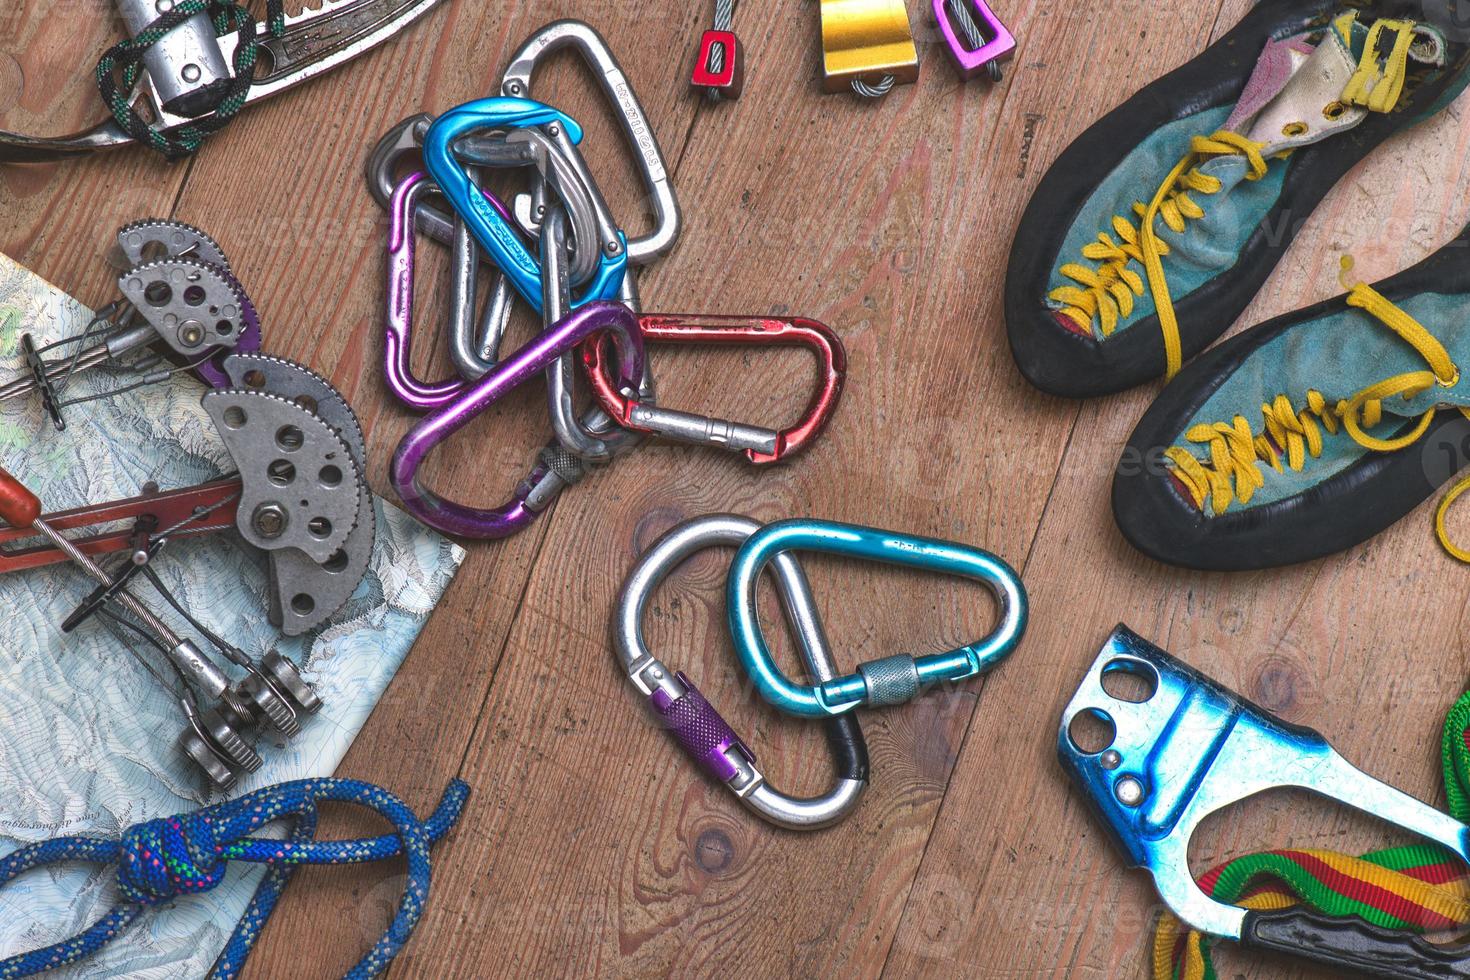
[{"x": 760, "y": 445}]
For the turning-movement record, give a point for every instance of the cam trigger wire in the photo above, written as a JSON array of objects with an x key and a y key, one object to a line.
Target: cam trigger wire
[
  {"x": 123, "y": 62},
  {"x": 114, "y": 623},
  {"x": 150, "y": 378},
  {"x": 234, "y": 653}
]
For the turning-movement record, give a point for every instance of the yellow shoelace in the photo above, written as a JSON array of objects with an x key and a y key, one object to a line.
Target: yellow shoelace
[
  {"x": 1233, "y": 470},
  {"x": 1107, "y": 292}
]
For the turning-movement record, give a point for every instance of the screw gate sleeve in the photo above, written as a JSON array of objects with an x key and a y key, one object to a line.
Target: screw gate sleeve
[{"x": 18, "y": 506}]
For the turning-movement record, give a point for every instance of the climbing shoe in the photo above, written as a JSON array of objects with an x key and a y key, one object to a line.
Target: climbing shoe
[
  {"x": 1155, "y": 228},
  {"x": 1309, "y": 433}
]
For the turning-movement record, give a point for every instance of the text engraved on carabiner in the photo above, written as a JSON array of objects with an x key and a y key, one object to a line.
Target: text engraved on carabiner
[{"x": 638, "y": 128}]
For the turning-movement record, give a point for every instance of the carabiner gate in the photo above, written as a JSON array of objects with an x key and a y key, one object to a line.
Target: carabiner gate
[
  {"x": 631, "y": 118},
  {"x": 532, "y": 359},
  {"x": 495, "y": 233},
  {"x": 892, "y": 680},
  {"x": 694, "y": 723},
  {"x": 760, "y": 445}
]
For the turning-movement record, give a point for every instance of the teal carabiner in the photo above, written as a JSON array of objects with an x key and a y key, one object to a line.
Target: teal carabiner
[
  {"x": 891, "y": 680},
  {"x": 489, "y": 227}
]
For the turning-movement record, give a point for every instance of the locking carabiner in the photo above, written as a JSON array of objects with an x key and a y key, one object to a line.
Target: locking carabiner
[
  {"x": 472, "y": 522},
  {"x": 694, "y": 723},
  {"x": 892, "y": 680},
  {"x": 760, "y": 445},
  {"x": 491, "y": 229}
]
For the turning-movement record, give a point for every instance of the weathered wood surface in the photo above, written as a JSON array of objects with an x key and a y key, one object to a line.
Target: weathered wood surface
[{"x": 590, "y": 847}]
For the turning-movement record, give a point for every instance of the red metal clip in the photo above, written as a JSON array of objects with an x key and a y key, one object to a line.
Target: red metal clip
[
  {"x": 729, "y": 81},
  {"x": 171, "y": 509},
  {"x": 760, "y": 445}
]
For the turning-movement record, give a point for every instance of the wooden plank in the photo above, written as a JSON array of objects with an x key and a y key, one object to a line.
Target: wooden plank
[
  {"x": 1045, "y": 887},
  {"x": 591, "y": 846},
  {"x": 888, "y": 221}
]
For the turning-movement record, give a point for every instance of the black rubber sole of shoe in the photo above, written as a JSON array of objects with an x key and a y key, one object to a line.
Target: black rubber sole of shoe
[
  {"x": 1062, "y": 362},
  {"x": 1158, "y": 519}
]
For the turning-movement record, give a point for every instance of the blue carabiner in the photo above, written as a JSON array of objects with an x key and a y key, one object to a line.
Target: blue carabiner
[
  {"x": 892, "y": 680},
  {"x": 490, "y": 229}
]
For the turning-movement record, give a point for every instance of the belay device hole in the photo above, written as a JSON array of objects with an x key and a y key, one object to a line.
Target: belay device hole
[
  {"x": 1092, "y": 731},
  {"x": 302, "y": 604},
  {"x": 1128, "y": 680}
]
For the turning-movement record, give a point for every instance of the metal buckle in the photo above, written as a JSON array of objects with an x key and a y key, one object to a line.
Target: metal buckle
[
  {"x": 760, "y": 445},
  {"x": 532, "y": 359},
  {"x": 1191, "y": 748},
  {"x": 704, "y": 735},
  {"x": 892, "y": 680}
]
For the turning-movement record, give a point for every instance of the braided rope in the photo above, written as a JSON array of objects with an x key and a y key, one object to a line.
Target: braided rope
[
  {"x": 126, "y": 59},
  {"x": 164, "y": 859}
]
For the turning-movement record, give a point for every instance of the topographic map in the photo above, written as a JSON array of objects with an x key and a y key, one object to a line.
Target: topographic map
[{"x": 87, "y": 737}]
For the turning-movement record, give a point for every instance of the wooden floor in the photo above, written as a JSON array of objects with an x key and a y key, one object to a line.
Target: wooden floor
[{"x": 590, "y": 845}]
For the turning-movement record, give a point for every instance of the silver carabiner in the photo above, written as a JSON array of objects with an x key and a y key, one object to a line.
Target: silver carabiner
[
  {"x": 694, "y": 723},
  {"x": 595, "y": 437},
  {"x": 631, "y": 119}
]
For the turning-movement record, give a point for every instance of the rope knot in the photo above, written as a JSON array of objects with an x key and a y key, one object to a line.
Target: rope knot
[{"x": 162, "y": 859}]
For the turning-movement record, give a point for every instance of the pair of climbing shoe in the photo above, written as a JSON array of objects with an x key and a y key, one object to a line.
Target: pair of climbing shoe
[{"x": 1154, "y": 230}]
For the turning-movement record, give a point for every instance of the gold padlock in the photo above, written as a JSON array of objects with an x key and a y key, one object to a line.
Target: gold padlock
[{"x": 863, "y": 40}]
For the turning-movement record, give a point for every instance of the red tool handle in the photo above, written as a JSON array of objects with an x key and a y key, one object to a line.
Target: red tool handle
[{"x": 18, "y": 506}]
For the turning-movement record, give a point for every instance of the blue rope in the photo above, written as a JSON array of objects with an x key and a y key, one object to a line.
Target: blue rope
[{"x": 160, "y": 860}]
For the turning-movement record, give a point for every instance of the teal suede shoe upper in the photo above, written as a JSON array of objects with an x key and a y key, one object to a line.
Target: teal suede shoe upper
[
  {"x": 1207, "y": 246},
  {"x": 1337, "y": 355},
  {"x": 1217, "y": 174}
]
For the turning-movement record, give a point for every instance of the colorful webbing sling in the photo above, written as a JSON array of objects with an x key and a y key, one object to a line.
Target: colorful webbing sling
[{"x": 1419, "y": 887}]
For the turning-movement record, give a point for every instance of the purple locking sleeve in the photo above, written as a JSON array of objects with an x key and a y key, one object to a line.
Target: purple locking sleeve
[{"x": 698, "y": 727}]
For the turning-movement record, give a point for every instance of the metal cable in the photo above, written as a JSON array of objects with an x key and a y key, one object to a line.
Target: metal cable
[
  {"x": 724, "y": 21},
  {"x": 873, "y": 90}
]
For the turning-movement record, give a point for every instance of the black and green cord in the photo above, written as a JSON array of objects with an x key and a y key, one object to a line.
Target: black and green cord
[{"x": 118, "y": 68}]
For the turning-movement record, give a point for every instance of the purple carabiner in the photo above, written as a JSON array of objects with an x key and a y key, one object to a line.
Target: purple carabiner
[
  {"x": 398, "y": 339},
  {"x": 524, "y": 364}
]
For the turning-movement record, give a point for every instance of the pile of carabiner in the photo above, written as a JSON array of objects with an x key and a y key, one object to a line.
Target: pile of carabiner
[
  {"x": 708, "y": 738},
  {"x": 581, "y": 279}
]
